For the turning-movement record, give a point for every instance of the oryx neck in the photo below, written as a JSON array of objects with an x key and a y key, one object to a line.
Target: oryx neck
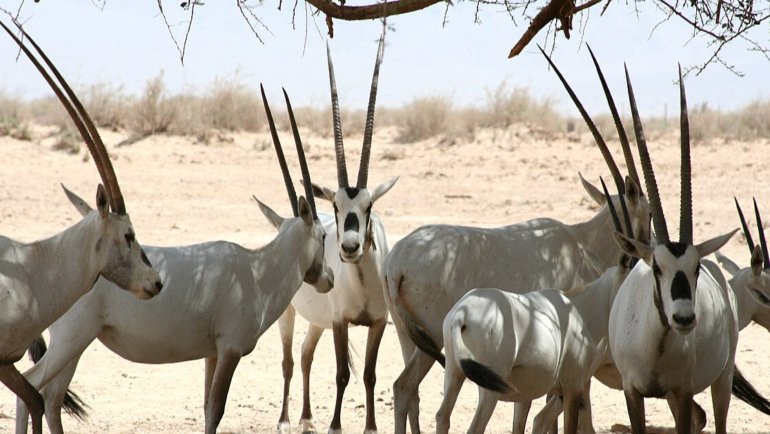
[
  {"x": 286, "y": 259},
  {"x": 748, "y": 308},
  {"x": 596, "y": 236}
]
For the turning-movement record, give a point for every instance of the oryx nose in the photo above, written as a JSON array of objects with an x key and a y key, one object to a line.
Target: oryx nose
[
  {"x": 684, "y": 320},
  {"x": 350, "y": 248},
  {"x": 159, "y": 285}
]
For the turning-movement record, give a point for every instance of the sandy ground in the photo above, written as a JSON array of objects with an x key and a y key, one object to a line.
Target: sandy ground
[{"x": 179, "y": 192}]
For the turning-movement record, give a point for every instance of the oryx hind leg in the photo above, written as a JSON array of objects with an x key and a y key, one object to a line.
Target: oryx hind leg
[
  {"x": 12, "y": 378},
  {"x": 453, "y": 382},
  {"x": 286, "y": 328},
  {"x": 546, "y": 417},
  {"x": 520, "y": 413},
  {"x": 54, "y": 393},
  {"x": 721, "y": 394},
  {"x": 226, "y": 363},
  {"x": 572, "y": 400},
  {"x": 405, "y": 388},
  {"x": 308, "y": 350},
  {"x": 487, "y": 403},
  {"x": 407, "y": 349},
  {"x": 635, "y": 406}
]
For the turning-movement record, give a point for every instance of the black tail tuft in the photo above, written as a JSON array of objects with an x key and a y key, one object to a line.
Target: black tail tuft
[
  {"x": 484, "y": 376},
  {"x": 424, "y": 342},
  {"x": 73, "y": 405},
  {"x": 747, "y": 393},
  {"x": 37, "y": 349}
]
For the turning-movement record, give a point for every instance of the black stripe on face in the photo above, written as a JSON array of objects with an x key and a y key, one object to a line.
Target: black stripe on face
[
  {"x": 677, "y": 249},
  {"x": 351, "y": 222},
  {"x": 680, "y": 287},
  {"x": 352, "y": 192}
]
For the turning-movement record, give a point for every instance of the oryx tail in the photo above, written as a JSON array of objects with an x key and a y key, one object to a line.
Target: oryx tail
[
  {"x": 744, "y": 391},
  {"x": 73, "y": 405},
  {"x": 473, "y": 370}
]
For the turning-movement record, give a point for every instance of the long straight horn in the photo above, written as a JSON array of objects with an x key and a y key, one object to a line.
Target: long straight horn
[
  {"x": 281, "y": 157},
  {"x": 685, "y": 211},
  {"x": 301, "y": 155},
  {"x": 339, "y": 149},
  {"x": 656, "y": 209},
  {"x": 616, "y": 176},
  {"x": 762, "y": 241},
  {"x": 746, "y": 230},
  {"x": 611, "y": 206},
  {"x": 624, "y": 143},
  {"x": 363, "y": 170},
  {"x": 83, "y": 122}
]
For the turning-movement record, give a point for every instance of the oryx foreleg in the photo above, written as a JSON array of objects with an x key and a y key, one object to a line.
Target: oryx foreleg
[
  {"x": 286, "y": 328},
  {"x": 226, "y": 362},
  {"x": 721, "y": 392},
  {"x": 54, "y": 393},
  {"x": 683, "y": 415},
  {"x": 405, "y": 388},
  {"x": 635, "y": 406},
  {"x": 308, "y": 350},
  {"x": 373, "y": 341},
  {"x": 12, "y": 378},
  {"x": 340, "y": 330},
  {"x": 520, "y": 413}
]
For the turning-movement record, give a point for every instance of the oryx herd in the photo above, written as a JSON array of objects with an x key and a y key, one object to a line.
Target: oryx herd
[{"x": 529, "y": 310}]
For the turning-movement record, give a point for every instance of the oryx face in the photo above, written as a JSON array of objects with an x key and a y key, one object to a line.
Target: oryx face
[
  {"x": 676, "y": 267},
  {"x": 758, "y": 282},
  {"x": 126, "y": 264},
  {"x": 353, "y": 212},
  {"x": 319, "y": 274}
]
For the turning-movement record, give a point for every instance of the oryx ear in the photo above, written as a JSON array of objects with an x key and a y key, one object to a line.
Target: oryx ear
[
  {"x": 633, "y": 247},
  {"x": 708, "y": 247},
  {"x": 633, "y": 191},
  {"x": 81, "y": 205},
  {"x": 757, "y": 263},
  {"x": 269, "y": 214},
  {"x": 304, "y": 211},
  {"x": 596, "y": 194},
  {"x": 383, "y": 188},
  {"x": 101, "y": 201},
  {"x": 322, "y": 192},
  {"x": 728, "y": 263}
]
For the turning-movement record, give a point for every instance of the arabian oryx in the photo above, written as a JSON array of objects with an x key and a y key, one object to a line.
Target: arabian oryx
[
  {"x": 218, "y": 300},
  {"x": 674, "y": 323},
  {"x": 518, "y": 347},
  {"x": 430, "y": 269},
  {"x": 39, "y": 281},
  {"x": 356, "y": 249}
]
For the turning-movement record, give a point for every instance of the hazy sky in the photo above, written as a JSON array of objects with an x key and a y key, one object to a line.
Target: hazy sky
[{"x": 127, "y": 43}]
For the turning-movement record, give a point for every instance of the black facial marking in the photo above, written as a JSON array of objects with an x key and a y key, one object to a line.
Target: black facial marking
[
  {"x": 145, "y": 259},
  {"x": 130, "y": 238},
  {"x": 351, "y": 222},
  {"x": 680, "y": 287},
  {"x": 677, "y": 249},
  {"x": 352, "y": 191}
]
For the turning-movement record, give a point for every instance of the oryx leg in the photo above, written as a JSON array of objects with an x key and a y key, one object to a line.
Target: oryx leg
[
  {"x": 12, "y": 378},
  {"x": 453, "y": 382},
  {"x": 571, "y": 409},
  {"x": 373, "y": 341},
  {"x": 340, "y": 330},
  {"x": 208, "y": 377},
  {"x": 635, "y": 406},
  {"x": 547, "y": 416},
  {"x": 407, "y": 349},
  {"x": 520, "y": 413},
  {"x": 308, "y": 350},
  {"x": 54, "y": 393},
  {"x": 683, "y": 404},
  {"x": 487, "y": 403},
  {"x": 286, "y": 328},
  {"x": 406, "y": 386},
  {"x": 721, "y": 392},
  {"x": 698, "y": 414},
  {"x": 586, "y": 418},
  {"x": 216, "y": 398}
]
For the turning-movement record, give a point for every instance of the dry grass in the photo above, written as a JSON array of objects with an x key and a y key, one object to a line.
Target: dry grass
[{"x": 229, "y": 105}]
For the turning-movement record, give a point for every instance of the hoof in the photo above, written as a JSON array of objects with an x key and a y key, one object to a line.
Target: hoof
[
  {"x": 284, "y": 427},
  {"x": 307, "y": 427},
  {"x": 335, "y": 430},
  {"x": 370, "y": 431}
]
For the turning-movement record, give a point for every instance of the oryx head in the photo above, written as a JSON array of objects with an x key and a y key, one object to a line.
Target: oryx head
[
  {"x": 353, "y": 204},
  {"x": 116, "y": 253},
  {"x": 317, "y": 272},
  {"x": 758, "y": 283},
  {"x": 675, "y": 264},
  {"x": 630, "y": 187}
]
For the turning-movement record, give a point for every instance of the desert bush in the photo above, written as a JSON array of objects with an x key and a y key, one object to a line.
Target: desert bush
[
  {"x": 506, "y": 106},
  {"x": 14, "y": 117},
  {"x": 107, "y": 105},
  {"x": 153, "y": 112},
  {"x": 230, "y": 105},
  {"x": 423, "y": 118}
]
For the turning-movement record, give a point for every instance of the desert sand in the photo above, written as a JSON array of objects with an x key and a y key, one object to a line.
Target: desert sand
[{"x": 179, "y": 192}]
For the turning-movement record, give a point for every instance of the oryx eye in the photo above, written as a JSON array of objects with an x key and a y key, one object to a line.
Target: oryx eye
[{"x": 130, "y": 238}]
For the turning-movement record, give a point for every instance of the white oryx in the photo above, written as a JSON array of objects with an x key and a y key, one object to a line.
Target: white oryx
[
  {"x": 518, "y": 347},
  {"x": 673, "y": 325},
  {"x": 218, "y": 299},
  {"x": 39, "y": 281},
  {"x": 356, "y": 249},
  {"x": 429, "y": 270}
]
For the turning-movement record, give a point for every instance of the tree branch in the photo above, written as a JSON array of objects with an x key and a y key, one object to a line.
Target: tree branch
[{"x": 372, "y": 11}]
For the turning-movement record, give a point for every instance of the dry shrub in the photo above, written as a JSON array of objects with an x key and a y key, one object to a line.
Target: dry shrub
[
  {"x": 14, "y": 116},
  {"x": 423, "y": 118},
  {"x": 153, "y": 112},
  {"x": 107, "y": 105},
  {"x": 753, "y": 121},
  {"x": 230, "y": 105},
  {"x": 507, "y": 106}
]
